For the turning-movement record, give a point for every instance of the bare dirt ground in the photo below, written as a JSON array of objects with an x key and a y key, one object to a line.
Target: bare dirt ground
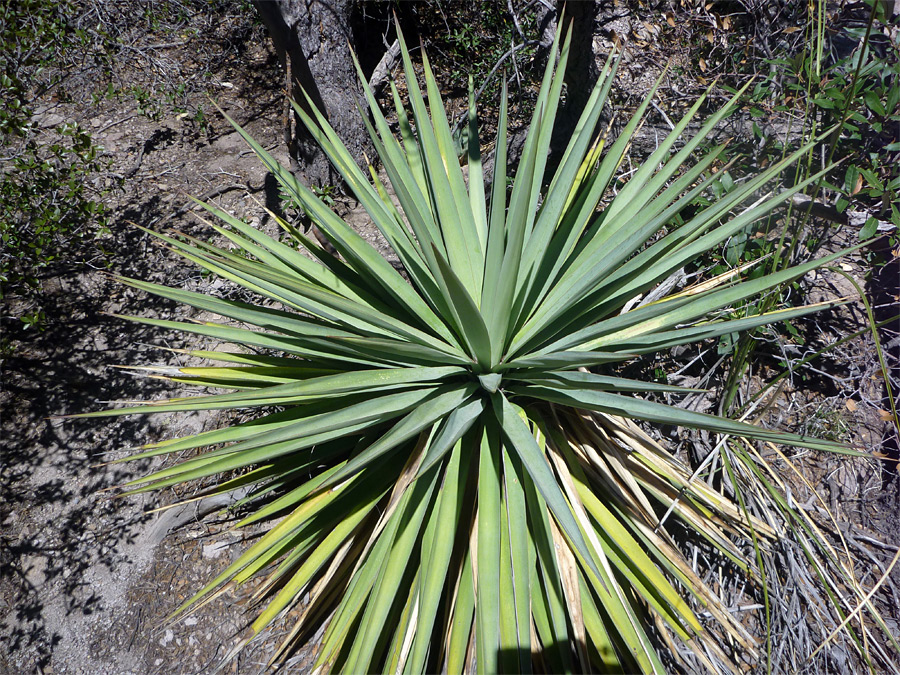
[{"x": 87, "y": 580}]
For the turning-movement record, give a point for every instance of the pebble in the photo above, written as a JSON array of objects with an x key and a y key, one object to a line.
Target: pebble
[{"x": 215, "y": 549}]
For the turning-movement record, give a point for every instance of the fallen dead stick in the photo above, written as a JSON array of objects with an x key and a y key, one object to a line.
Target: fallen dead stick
[
  {"x": 831, "y": 214},
  {"x": 178, "y": 515},
  {"x": 382, "y": 72},
  {"x": 211, "y": 194}
]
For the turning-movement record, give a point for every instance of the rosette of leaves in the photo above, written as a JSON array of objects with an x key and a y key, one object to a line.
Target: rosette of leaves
[{"x": 450, "y": 466}]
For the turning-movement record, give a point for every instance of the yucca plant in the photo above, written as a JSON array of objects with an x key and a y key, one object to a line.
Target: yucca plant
[{"x": 450, "y": 466}]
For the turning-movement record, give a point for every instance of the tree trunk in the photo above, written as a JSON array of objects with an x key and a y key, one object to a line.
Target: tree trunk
[
  {"x": 312, "y": 38},
  {"x": 580, "y": 77},
  {"x": 582, "y": 70}
]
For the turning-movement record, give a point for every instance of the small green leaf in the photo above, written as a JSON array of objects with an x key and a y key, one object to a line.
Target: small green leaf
[
  {"x": 873, "y": 102},
  {"x": 869, "y": 229}
]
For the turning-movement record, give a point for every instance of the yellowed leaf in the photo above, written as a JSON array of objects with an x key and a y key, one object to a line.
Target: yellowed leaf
[
  {"x": 703, "y": 65},
  {"x": 885, "y": 415},
  {"x": 851, "y": 405},
  {"x": 859, "y": 184},
  {"x": 711, "y": 37},
  {"x": 792, "y": 29},
  {"x": 670, "y": 19}
]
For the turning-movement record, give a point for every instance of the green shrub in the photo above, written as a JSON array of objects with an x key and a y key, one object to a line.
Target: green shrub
[
  {"x": 826, "y": 86},
  {"x": 456, "y": 470},
  {"x": 47, "y": 208},
  {"x": 827, "y": 69}
]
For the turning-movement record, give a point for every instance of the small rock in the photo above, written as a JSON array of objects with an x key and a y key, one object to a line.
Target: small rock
[
  {"x": 214, "y": 550},
  {"x": 52, "y": 120}
]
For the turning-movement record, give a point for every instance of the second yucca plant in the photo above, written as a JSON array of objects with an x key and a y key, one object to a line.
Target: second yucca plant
[{"x": 452, "y": 470}]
